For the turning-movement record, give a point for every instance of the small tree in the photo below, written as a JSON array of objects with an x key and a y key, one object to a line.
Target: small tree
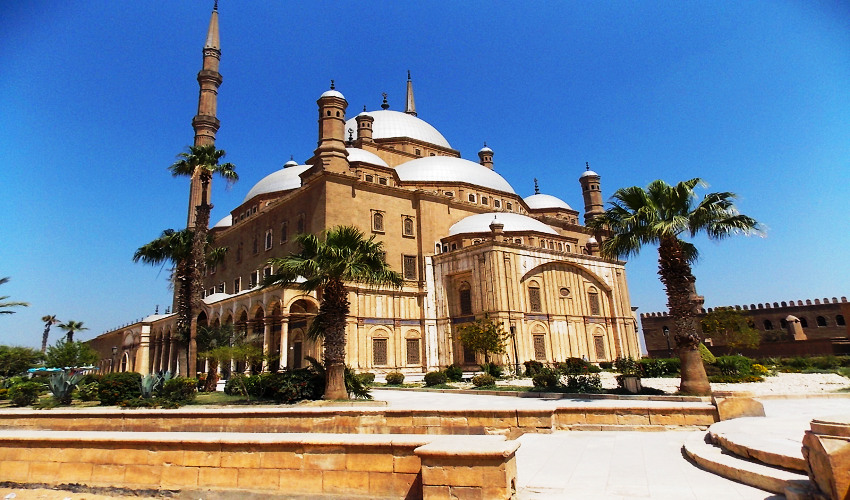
[
  {"x": 16, "y": 359},
  {"x": 731, "y": 327},
  {"x": 71, "y": 327},
  {"x": 70, "y": 354},
  {"x": 484, "y": 336}
]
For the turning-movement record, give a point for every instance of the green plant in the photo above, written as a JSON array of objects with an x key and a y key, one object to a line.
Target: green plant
[
  {"x": 532, "y": 368},
  {"x": 15, "y": 360},
  {"x": 25, "y": 393},
  {"x": 705, "y": 354},
  {"x": 606, "y": 365},
  {"x": 394, "y": 378},
  {"x": 733, "y": 365},
  {"x": 87, "y": 392},
  {"x": 454, "y": 373},
  {"x": 734, "y": 379},
  {"x": 574, "y": 366},
  {"x": 484, "y": 336},
  {"x": 152, "y": 382},
  {"x": 660, "y": 367},
  {"x": 759, "y": 370},
  {"x": 483, "y": 380},
  {"x": 590, "y": 383},
  {"x": 492, "y": 369},
  {"x": 435, "y": 378},
  {"x": 116, "y": 387},
  {"x": 627, "y": 366},
  {"x": 546, "y": 378},
  {"x": 3, "y": 393},
  {"x": 366, "y": 378},
  {"x": 179, "y": 389},
  {"x": 62, "y": 385},
  {"x": 65, "y": 354}
]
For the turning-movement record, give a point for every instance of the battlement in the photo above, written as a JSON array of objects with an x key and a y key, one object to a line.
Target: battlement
[{"x": 766, "y": 305}]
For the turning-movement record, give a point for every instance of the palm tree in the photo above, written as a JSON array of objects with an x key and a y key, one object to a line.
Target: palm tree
[
  {"x": 175, "y": 247},
  {"x": 5, "y": 305},
  {"x": 200, "y": 162},
  {"x": 49, "y": 321},
  {"x": 661, "y": 214},
  {"x": 343, "y": 256},
  {"x": 71, "y": 327}
]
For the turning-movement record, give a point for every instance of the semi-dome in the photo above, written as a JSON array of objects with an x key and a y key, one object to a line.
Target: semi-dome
[
  {"x": 356, "y": 154},
  {"x": 480, "y": 223},
  {"x": 389, "y": 123},
  {"x": 451, "y": 169},
  {"x": 543, "y": 201},
  {"x": 227, "y": 221},
  {"x": 281, "y": 180}
]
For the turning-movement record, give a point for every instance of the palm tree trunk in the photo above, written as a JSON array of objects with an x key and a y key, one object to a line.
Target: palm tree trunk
[
  {"x": 202, "y": 221},
  {"x": 675, "y": 272},
  {"x": 70, "y": 336},
  {"x": 44, "y": 338},
  {"x": 335, "y": 308}
]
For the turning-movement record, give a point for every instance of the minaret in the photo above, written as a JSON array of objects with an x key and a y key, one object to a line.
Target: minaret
[
  {"x": 364, "y": 126},
  {"x": 593, "y": 205},
  {"x": 485, "y": 157},
  {"x": 330, "y": 153},
  {"x": 205, "y": 123},
  {"x": 411, "y": 105}
]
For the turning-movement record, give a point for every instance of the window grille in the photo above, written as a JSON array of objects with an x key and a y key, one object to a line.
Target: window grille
[
  {"x": 409, "y": 267},
  {"x": 413, "y": 352},
  {"x": 379, "y": 352},
  {"x": 466, "y": 301},
  {"x": 283, "y": 232},
  {"x": 534, "y": 302},
  {"x": 593, "y": 300},
  {"x": 599, "y": 343},
  {"x": 540, "y": 347},
  {"x": 378, "y": 221},
  {"x": 408, "y": 227}
]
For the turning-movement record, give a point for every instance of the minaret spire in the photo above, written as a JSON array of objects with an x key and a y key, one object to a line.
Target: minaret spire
[
  {"x": 205, "y": 122},
  {"x": 411, "y": 105},
  {"x": 536, "y": 187}
]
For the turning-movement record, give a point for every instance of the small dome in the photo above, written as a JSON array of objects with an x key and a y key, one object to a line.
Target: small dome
[
  {"x": 154, "y": 317},
  {"x": 290, "y": 163},
  {"x": 542, "y": 201},
  {"x": 485, "y": 149},
  {"x": 281, "y": 180},
  {"x": 589, "y": 173},
  {"x": 450, "y": 169},
  {"x": 389, "y": 124},
  {"x": 357, "y": 154},
  {"x": 480, "y": 223},
  {"x": 592, "y": 241},
  {"x": 332, "y": 93},
  {"x": 227, "y": 221},
  {"x": 216, "y": 297}
]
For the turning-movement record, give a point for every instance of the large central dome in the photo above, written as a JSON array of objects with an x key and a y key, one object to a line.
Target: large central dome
[
  {"x": 450, "y": 169},
  {"x": 389, "y": 124}
]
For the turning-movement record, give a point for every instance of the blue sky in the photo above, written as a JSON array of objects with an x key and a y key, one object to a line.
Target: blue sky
[{"x": 96, "y": 99}]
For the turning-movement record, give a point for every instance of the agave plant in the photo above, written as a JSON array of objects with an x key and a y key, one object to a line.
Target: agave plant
[
  {"x": 150, "y": 383},
  {"x": 63, "y": 384}
]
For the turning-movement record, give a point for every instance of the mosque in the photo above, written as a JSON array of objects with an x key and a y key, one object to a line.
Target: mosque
[{"x": 466, "y": 243}]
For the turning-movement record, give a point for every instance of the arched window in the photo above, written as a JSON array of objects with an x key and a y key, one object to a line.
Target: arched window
[
  {"x": 408, "y": 226},
  {"x": 465, "y": 293},
  {"x": 269, "y": 240},
  {"x": 239, "y": 253},
  {"x": 804, "y": 323},
  {"x": 821, "y": 321},
  {"x": 284, "y": 232},
  {"x": 378, "y": 221},
  {"x": 839, "y": 320},
  {"x": 256, "y": 245},
  {"x": 593, "y": 301},
  {"x": 437, "y": 248},
  {"x": 301, "y": 224},
  {"x": 534, "y": 302},
  {"x": 768, "y": 325},
  {"x": 783, "y": 323}
]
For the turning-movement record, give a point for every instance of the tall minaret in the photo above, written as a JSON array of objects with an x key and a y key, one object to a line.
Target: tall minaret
[
  {"x": 205, "y": 123},
  {"x": 592, "y": 193},
  {"x": 411, "y": 105}
]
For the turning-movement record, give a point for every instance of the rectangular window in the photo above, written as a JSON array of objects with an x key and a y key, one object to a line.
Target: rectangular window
[
  {"x": 599, "y": 343},
  {"x": 593, "y": 298},
  {"x": 369, "y": 178},
  {"x": 409, "y": 267},
  {"x": 254, "y": 278},
  {"x": 468, "y": 356},
  {"x": 510, "y": 206},
  {"x": 284, "y": 230},
  {"x": 497, "y": 203},
  {"x": 540, "y": 347},
  {"x": 237, "y": 285},
  {"x": 413, "y": 352},
  {"x": 534, "y": 303},
  {"x": 221, "y": 287},
  {"x": 267, "y": 271},
  {"x": 466, "y": 301},
  {"x": 302, "y": 224},
  {"x": 382, "y": 180},
  {"x": 379, "y": 352},
  {"x": 407, "y": 226}
]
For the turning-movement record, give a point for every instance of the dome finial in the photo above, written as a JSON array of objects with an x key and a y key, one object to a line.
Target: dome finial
[
  {"x": 215, "y": 5},
  {"x": 485, "y": 144},
  {"x": 364, "y": 108},
  {"x": 291, "y": 157},
  {"x": 332, "y": 85},
  {"x": 587, "y": 165},
  {"x": 408, "y": 75},
  {"x": 385, "y": 104},
  {"x": 536, "y": 188}
]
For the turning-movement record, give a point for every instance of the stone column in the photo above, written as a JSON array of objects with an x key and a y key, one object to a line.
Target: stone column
[
  {"x": 144, "y": 351},
  {"x": 163, "y": 361},
  {"x": 284, "y": 342},
  {"x": 157, "y": 353},
  {"x": 267, "y": 336},
  {"x": 173, "y": 352}
]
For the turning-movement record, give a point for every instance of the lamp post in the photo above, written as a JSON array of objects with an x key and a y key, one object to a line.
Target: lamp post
[
  {"x": 516, "y": 358},
  {"x": 666, "y": 332}
]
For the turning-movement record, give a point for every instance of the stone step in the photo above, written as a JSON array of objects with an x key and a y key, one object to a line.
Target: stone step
[
  {"x": 774, "y": 441},
  {"x": 724, "y": 463},
  {"x": 642, "y": 428}
]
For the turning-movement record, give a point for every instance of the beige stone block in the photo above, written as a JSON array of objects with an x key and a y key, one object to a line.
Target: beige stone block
[
  {"x": 493, "y": 477},
  {"x": 400, "y": 421},
  {"x": 345, "y": 482},
  {"x": 202, "y": 456},
  {"x": 218, "y": 478},
  {"x": 436, "y": 493},
  {"x": 12, "y": 453},
  {"x": 828, "y": 463},
  {"x": 434, "y": 476},
  {"x": 426, "y": 421},
  {"x": 633, "y": 417},
  {"x": 282, "y": 460},
  {"x": 43, "y": 472},
  {"x": 570, "y": 418},
  {"x": 492, "y": 493},
  {"x": 14, "y": 471},
  {"x": 601, "y": 418},
  {"x": 93, "y": 455},
  {"x": 410, "y": 464},
  {"x": 467, "y": 493},
  {"x": 729, "y": 408},
  {"x": 128, "y": 456},
  {"x": 324, "y": 461},
  {"x": 301, "y": 481},
  {"x": 699, "y": 418},
  {"x": 146, "y": 475},
  {"x": 179, "y": 476},
  {"x": 75, "y": 472},
  {"x": 666, "y": 419},
  {"x": 259, "y": 479},
  {"x": 454, "y": 422},
  {"x": 166, "y": 455},
  {"x": 241, "y": 459},
  {"x": 383, "y": 484},
  {"x": 370, "y": 462},
  {"x": 465, "y": 475},
  {"x": 112, "y": 475}
]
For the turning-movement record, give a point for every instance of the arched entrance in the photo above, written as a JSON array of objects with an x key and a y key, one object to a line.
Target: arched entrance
[{"x": 301, "y": 314}]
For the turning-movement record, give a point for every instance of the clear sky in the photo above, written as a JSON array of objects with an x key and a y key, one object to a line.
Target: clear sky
[{"x": 97, "y": 97}]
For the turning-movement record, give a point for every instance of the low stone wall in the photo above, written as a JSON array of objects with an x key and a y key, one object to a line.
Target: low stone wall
[
  {"x": 589, "y": 418},
  {"x": 349, "y": 466}
]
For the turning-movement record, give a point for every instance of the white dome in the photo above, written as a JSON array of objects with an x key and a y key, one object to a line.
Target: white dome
[
  {"x": 480, "y": 223},
  {"x": 227, "y": 221},
  {"x": 281, "y": 180},
  {"x": 589, "y": 173},
  {"x": 539, "y": 201},
  {"x": 211, "y": 299},
  {"x": 356, "y": 154},
  {"x": 332, "y": 93},
  {"x": 390, "y": 123},
  {"x": 450, "y": 169},
  {"x": 485, "y": 149}
]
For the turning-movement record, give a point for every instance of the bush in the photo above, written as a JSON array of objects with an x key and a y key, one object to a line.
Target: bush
[
  {"x": 546, "y": 378},
  {"x": 484, "y": 380},
  {"x": 584, "y": 383},
  {"x": 759, "y": 370},
  {"x": 705, "y": 354},
  {"x": 734, "y": 379},
  {"x": 25, "y": 393},
  {"x": 366, "y": 378},
  {"x": 799, "y": 362},
  {"x": 661, "y": 367},
  {"x": 492, "y": 369},
  {"x": 116, "y": 387},
  {"x": 627, "y": 366},
  {"x": 575, "y": 366},
  {"x": 179, "y": 389},
  {"x": 3, "y": 393},
  {"x": 826, "y": 362},
  {"x": 435, "y": 378},
  {"x": 733, "y": 365},
  {"x": 606, "y": 365},
  {"x": 395, "y": 378},
  {"x": 532, "y": 368},
  {"x": 454, "y": 373},
  {"x": 87, "y": 392}
]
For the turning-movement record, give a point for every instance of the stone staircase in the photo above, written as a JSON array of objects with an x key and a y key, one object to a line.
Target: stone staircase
[{"x": 764, "y": 453}]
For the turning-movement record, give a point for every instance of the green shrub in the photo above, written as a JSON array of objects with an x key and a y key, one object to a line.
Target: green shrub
[
  {"x": 705, "y": 354},
  {"x": 546, "y": 378},
  {"x": 589, "y": 383},
  {"x": 660, "y": 367},
  {"x": 435, "y": 378},
  {"x": 25, "y": 393},
  {"x": 733, "y": 365},
  {"x": 483, "y": 380},
  {"x": 532, "y": 368},
  {"x": 116, "y": 387},
  {"x": 826, "y": 362},
  {"x": 627, "y": 366},
  {"x": 575, "y": 366},
  {"x": 3, "y": 393},
  {"x": 87, "y": 392},
  {"x": 734, "y": 379},
  {"x": 492, "y": 369},
  {"x": 799, "y": 362},
  {"x": 366, "y": 378},
  {"x": 759, "y": 370},
  {"x": 606, "y": 365},
  {"x": 454, "y": 373},
  {"x": 395, "y": 378},
  {"x": 179, "y": 389}
]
